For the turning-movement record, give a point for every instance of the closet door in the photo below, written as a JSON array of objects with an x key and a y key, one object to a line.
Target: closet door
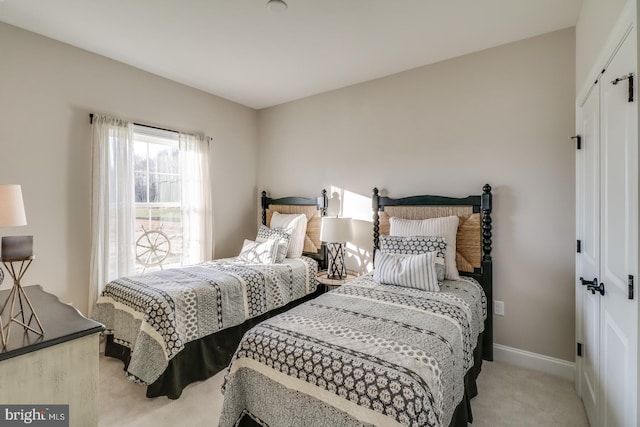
[
  {"x": 588, "y": 261},
  {"x": 619, "y": 238},
  {"x": 607, "y": 226}
]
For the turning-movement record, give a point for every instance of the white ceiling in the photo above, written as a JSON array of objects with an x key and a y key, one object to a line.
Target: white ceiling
[{"x": 240, "y": 50}]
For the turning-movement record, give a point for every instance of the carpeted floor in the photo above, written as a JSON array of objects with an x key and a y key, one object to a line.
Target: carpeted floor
[{"x": 509, "y": 396}]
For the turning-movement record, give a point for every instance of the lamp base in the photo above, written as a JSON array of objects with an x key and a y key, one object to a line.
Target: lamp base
[
  {"x": 23, "y": 314},
  {"x": 336, "y": 269}
]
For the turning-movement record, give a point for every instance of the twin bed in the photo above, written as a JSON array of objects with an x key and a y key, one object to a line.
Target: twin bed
[
  {"x": 369, "y": 353},
  {"x": 177, "y": 326},
  {"x": 405, "y": 353}
]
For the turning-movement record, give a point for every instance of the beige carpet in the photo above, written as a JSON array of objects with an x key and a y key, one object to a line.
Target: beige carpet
[{"x": 509, "y": 396}]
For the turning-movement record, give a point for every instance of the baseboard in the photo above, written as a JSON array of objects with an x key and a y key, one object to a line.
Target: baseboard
[{"x": 537, "y": 362}]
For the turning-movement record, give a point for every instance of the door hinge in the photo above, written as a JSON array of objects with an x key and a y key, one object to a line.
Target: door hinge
[
  {"x": 578, "y": 139},
  {"x": 579, "y": 246},
  {"x": 630, "y": 283},
  {"x": 627, "y": 77},
  {"x": 580, "y": 349}
]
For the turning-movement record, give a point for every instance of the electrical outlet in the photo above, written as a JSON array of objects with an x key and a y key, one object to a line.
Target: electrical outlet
[{"x": 498, "y": 308}]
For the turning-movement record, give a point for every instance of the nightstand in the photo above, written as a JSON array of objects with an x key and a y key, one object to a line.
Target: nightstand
[
  {"x": 334, "y": 283},
  {"x": 60, "y": 366}
]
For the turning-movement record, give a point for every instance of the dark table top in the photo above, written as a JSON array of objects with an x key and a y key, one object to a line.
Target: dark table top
[{"x": 61, "y": 323}]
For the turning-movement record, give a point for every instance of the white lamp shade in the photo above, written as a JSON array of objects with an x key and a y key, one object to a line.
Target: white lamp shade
[
  {"x": 335, "y": 230},
  {"x": 11, "y": 206}
]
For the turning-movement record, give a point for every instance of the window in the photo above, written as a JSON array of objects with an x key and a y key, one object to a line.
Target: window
[
  {"x": 158, "y": 207},
  {"x": 150, "y": 203}
]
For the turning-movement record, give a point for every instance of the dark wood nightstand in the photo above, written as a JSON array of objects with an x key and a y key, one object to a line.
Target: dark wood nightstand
[
  {"x": 334, "y": 283},
  {"x": 60, "y": 366}
]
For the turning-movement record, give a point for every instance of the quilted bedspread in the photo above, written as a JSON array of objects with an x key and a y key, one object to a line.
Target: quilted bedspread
[
  {"x": 156, "y": 314},
  {"x": 363, "y": 354}
]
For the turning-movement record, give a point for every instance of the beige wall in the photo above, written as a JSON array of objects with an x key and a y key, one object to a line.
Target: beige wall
[
  {"x": 47, "y": 90},
  {"x": 500, "y": 116},
  {"x": 595, "y": 22}
]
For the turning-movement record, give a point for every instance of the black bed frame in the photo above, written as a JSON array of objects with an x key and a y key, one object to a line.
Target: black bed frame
[
  {"x": 205, "y": 357},
  {"x": 484, "y": 275},
  {"x": 320, "y": 202}
]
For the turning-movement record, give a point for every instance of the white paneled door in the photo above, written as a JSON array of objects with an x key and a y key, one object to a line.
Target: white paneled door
[
  {"x": 607, "y": 223},
  {"x": 588, "y": 261},
  {"x": 619, "y": 237}
]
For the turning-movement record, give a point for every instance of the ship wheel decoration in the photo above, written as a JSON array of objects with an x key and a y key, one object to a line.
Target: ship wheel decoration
[{"x": 152, "y": 248}]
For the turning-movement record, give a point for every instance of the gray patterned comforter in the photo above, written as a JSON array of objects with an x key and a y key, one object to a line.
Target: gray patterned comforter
[
  {"x": 364, "y": 354},
  {"x": 156, "y": 314}
]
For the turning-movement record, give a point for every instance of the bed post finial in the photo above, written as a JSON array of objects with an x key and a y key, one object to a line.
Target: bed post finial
[
  {"x": 375, "y": 202},
  {"x": 325, "y": 203},
  {"x": 486, "y": 222}
]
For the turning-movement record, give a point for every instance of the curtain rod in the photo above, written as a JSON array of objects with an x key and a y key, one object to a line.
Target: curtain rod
[
  {"x": 139, "y": 124},
  {"x": 207, "y": 138}
]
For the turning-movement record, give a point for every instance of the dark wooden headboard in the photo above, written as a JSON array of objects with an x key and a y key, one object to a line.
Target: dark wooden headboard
[
  {"x": 313, "y": 208},
  {"x": 473, "y": 240}
]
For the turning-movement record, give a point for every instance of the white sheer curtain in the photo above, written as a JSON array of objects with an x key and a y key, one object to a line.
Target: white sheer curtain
[
  {"x": 112, "y": 204},
  {"x": 197, "y": 218}
]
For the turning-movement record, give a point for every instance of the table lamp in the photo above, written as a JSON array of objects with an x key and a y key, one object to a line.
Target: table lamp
[
  {"x": 335, "y": 232},
  {"x": 17, "y": 251}
]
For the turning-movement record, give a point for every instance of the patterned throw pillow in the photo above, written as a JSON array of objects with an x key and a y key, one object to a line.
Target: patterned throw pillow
[
  {"x": 446, "y": 226},
  {"x": 282, "y": 236},
  {"x": 412, "y": 271},
  {"x": 259, "y": 252},
  {"x": 414, "y": 245}
]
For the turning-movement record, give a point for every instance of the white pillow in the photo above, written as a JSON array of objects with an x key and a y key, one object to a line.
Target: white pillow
[
  {"x": 446, "y": 227},
  {"x": 412, "y": 271},
  {"x": 296, "y": 224},
  {"x": 259, "y": 252}
]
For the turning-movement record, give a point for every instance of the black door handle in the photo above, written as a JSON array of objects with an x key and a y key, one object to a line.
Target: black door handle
[
  {"x": 592, "y": 285},
  {"x": 594, "y": 288}
]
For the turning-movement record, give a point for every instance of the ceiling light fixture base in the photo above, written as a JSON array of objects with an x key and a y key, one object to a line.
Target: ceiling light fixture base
[{"x": 277, "y": 6}]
